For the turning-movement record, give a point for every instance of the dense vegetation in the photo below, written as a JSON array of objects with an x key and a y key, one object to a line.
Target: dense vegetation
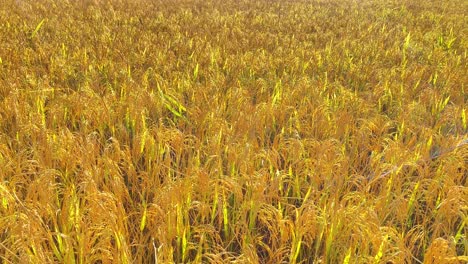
[{"x": 246, "y": 131}]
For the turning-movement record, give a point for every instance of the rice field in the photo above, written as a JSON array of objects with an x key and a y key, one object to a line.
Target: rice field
[{"x": 233, "y": 131}]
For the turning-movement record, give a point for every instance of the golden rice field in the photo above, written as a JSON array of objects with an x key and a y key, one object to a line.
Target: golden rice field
[{"x": 233, "y": 131}]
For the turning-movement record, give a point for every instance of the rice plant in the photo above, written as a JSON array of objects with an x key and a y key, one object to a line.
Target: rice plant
[{"x": 251, "y": 131}]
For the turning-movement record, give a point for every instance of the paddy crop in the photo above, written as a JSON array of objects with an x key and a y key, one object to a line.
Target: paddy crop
[{"x": 252, "y": 131}]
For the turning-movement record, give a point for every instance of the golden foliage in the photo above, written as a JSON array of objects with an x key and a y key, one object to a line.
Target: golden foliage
[{"x": 207, "y": 131}]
